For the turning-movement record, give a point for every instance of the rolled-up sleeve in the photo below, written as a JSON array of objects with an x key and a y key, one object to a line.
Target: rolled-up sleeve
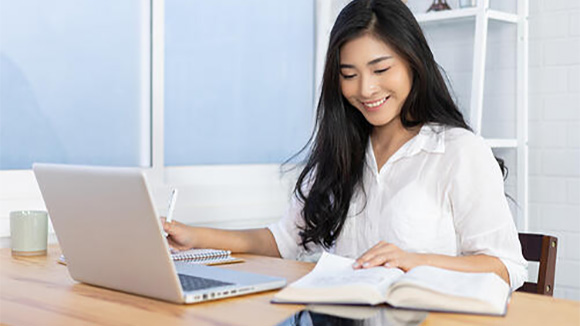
[
  {"x": 482, "y": 217},
  {"x": 286, "y": 231}
]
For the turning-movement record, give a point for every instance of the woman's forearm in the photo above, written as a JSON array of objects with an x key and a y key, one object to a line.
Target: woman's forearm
[
  {"x": 475, "y": 263},
  {"x": 390, "y": 255},
  {"x": 254, "y": 241}
]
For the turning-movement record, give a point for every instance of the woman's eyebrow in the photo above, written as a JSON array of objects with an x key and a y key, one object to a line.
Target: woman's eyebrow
[
  {"x": 370, "y": 63},
  {"x": 377, "y": 60},
  {"x": 344, "y": 65}
]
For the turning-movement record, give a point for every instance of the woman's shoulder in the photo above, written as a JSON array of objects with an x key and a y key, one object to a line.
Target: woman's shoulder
[
  {"x": 465, "y": 151},
  {"x": 456, "y": 141},
  {"x": 461, "y": 139}
]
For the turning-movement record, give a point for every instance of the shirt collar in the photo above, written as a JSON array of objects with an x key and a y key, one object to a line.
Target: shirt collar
[{"x": 430, "y": 139}]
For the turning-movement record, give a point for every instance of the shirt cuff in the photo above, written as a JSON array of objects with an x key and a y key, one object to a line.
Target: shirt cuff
[{"x": 518, "y": 273}]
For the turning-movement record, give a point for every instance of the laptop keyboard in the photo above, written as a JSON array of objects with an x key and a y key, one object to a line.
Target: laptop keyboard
[{"x": 192, "y": 283}]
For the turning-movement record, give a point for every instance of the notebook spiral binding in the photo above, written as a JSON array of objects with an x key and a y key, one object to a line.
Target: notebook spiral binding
[{"x": 201, "y": 255}]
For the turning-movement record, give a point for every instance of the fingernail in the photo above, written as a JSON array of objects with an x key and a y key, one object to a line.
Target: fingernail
[
  {"x": 366, "y": 264},
  {"x": 387, "y": 265},
  {"x": 355, "y": 265}
]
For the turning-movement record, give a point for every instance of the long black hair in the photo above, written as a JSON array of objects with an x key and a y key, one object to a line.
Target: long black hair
[{"x": 334, "y": 167}]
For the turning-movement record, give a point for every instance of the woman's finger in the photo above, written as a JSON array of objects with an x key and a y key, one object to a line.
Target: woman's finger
[
  {"x": 388, "y": 257},
  {"x": 371, "y": 256},
  {"x": 378, "y": 260},
  {"x": 170, "y": 227},
  {"x": 393, "y": 263},
  {"x": 175, "y": 245}
]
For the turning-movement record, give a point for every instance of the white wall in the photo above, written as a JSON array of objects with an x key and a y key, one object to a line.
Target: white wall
[{"x": 554, "y": 133}]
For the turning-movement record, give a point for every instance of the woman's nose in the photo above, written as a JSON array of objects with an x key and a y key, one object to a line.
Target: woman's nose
[{"x": 368, "y": 87}]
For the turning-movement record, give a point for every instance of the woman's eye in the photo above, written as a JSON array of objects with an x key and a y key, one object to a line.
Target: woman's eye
[
  {"x": 380, "y": 71},
  {"x": 348, "y": 76}
]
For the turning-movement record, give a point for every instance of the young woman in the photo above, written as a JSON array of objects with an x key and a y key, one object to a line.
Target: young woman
[{"x": 395, "y": 177}]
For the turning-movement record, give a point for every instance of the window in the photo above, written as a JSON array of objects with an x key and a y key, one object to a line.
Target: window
[
  {"x": 239, "y": 80},
  {"x": 74, "y": 83},
  {"x": 238, "y": 90}
]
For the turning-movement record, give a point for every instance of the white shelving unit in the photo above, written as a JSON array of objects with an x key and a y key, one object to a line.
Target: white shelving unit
[{"x": 482, "y": 14}]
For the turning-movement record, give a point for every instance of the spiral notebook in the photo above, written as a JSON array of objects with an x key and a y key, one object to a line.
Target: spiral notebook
[
  {"x": 205, "y": 256},
  {"x": 197, "y": 256}
]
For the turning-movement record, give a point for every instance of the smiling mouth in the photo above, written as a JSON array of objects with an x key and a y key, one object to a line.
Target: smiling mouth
[{"x": 375, "y": 104}]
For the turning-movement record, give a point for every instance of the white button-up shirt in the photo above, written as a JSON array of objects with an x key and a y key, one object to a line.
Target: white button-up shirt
[{"x": 441, "y": 192}]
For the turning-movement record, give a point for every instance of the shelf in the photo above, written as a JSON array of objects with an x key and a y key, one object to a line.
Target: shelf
[
  {"x": 502, "y": 143},
  {"x": 446, "y": 15},
  {"x": 465, "y": 13},
  {"x": 501, "y": 16}
]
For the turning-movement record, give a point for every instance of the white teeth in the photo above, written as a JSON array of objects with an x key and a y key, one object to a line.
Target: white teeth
[{"x": 375, "y": 104}]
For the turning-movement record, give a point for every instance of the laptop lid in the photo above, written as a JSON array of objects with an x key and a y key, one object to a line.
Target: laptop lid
[
  {"x": 108, "y": 229},
  {"x": 110, "y": 233}
]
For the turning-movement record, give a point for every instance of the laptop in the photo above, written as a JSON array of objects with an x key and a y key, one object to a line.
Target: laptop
[{"x": 110, "y": 233}]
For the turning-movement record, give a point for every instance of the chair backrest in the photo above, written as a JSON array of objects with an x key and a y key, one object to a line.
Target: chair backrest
[{"x": 540, "y": 248}]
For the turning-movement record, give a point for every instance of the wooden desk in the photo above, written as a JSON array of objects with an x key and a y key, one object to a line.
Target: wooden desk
[{"x": 39, "y": 291}]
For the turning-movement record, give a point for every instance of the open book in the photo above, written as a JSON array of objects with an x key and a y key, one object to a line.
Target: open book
[
  {"x": 196, "y": 256},
  {"x": 334, "y": 281}
]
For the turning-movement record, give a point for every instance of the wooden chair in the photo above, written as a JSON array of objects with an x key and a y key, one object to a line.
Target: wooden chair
[{"x": 540, "y": 248}]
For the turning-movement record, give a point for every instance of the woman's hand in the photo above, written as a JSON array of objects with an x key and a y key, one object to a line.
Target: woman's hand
[
  {"x": 388, "y": 255},
  {"x": 255, "y": 241},
  {"x": 179, "y": 235}
]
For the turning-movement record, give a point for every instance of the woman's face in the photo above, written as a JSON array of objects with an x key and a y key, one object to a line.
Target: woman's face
[{"x": 374, "y": 79}]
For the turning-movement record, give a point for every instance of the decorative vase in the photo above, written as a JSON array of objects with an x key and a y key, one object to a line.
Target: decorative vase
[{"x": 438, "y": 5}]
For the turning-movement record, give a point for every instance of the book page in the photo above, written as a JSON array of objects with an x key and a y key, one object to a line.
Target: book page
[
  {"x": 333, "y": 280},
  {"x": 469, "y": 292},
  {"x": 469, "y": 285},
  {"x": 333, "y": 271}
]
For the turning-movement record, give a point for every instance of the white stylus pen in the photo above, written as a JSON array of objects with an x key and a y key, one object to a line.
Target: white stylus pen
[{"x": 171, "y": 207}]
